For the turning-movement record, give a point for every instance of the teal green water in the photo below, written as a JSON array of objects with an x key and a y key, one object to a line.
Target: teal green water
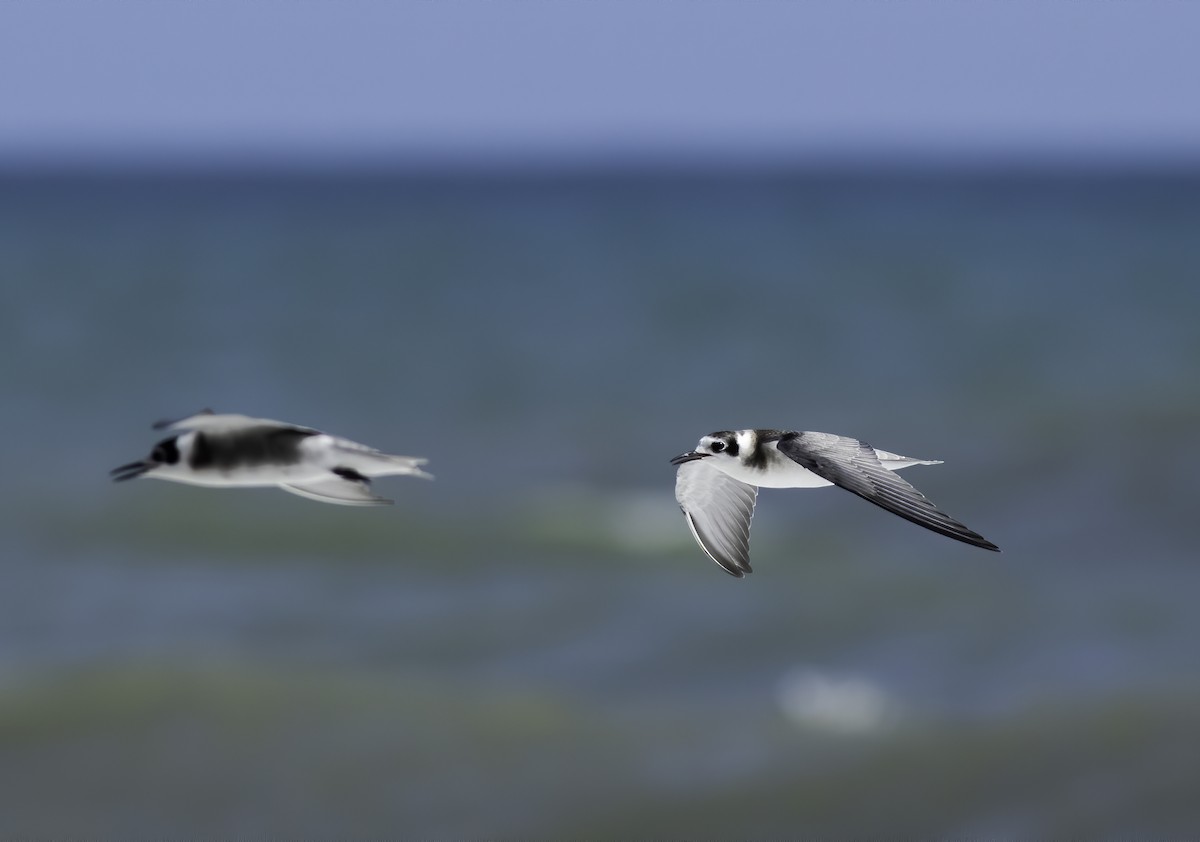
[{"x": 531, "y": 645}]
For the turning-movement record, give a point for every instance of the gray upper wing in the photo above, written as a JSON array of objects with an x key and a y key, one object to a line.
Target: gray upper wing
[
  {"x": 853, "y": 465},
  {"x": 718, "y": 509},
  {"x": 179, "y": 423},
  {"x": 209, "y": 421}
]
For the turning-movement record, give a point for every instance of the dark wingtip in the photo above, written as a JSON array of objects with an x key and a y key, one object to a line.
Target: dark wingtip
[
  {"x": 974, "y": 539},
  {"x": 967, "y": 536},
  {"x": 736, "y": 569},
  {"x": 970, "y": 536},
  {"x": 167, "y": 422}
]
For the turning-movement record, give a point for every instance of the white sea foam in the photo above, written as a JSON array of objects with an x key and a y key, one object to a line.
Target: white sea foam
[{"x": 841, "y": 704}]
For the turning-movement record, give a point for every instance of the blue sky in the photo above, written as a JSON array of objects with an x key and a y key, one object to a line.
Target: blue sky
[{"x": 532, "y": 79}]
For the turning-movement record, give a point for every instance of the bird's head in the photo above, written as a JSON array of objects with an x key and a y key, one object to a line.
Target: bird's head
[
  {"x": 164, "y": 454},
  {"x": 726, "y": 444}
]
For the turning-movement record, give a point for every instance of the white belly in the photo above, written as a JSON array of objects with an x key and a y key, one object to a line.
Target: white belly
[
  {"x": 780, "y": 473},
  {"x": 246, "y": 477}
]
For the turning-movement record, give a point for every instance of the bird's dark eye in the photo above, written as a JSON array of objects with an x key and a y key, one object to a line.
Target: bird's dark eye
[
  {"x": 717, "y": 446},
  {"x": 166, "y": 452}
]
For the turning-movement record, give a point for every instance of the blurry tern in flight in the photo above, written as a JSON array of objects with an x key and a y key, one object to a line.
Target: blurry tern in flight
[{"x": 235, "y": 450}]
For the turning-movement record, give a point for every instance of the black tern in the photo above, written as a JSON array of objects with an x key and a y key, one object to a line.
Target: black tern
[
  {"x": 717, "y": 485},
  {"x": 235, "y": 450}
]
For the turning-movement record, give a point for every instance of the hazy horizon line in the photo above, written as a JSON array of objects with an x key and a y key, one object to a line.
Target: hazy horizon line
[{"x": 412, "y": 161}]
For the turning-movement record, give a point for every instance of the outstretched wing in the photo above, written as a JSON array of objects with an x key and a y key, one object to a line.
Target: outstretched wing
[
  {"x": 342, "y": 490},
  {"x": 718, "y": 509},
  {"x": 211, "y": 422},
  {"x": 382, "y": 464},
  {"x": 854, "y": 466}
]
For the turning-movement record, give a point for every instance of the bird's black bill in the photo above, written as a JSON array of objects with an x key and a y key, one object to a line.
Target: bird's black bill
[
  {"x": 690, "y": 456},
  {"x": 130, "y": 471}
]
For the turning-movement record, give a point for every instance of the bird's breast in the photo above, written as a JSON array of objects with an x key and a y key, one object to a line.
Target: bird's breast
[
  {"x": 243, "y": 475},
  {"x": 775, "y": 471}
]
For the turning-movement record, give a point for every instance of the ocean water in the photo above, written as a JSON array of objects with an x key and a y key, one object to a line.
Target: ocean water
[{"x": 531, "y": 645}]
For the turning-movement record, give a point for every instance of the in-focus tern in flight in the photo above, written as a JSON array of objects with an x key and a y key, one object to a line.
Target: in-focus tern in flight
[
  {"x": 717, "y": 485},
  {"x": 235, "y": 450}
]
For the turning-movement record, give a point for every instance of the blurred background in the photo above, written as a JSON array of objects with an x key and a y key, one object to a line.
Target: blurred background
[{"x": 548, "y": 247}]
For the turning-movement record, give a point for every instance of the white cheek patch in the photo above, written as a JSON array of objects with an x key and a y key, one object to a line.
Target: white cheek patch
[{"x": 747, "y": 440}]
